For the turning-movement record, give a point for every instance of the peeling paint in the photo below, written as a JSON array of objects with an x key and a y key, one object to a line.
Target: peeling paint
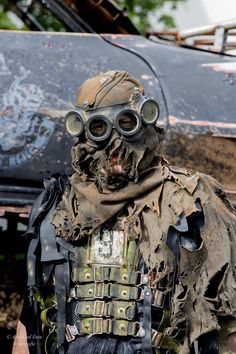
[
  {"x": 229, "y": 68},
  {"x": 22, "y": 133},
  {"x": 146, "y": 77},
  {"x": 4, "y": 70}
]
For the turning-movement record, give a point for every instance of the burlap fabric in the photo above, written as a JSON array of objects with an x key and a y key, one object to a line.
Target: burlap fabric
[{"x": 158, "y": 200}]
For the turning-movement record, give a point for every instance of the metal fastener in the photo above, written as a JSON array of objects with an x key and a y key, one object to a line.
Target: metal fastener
[
  {"x": 141, "y": 332},
  {"x": 122, "y": 327},
  {"x": 120, "y": 310},
  {"x": 86, "y": 325},
  {"x": 145, "y": 279}
]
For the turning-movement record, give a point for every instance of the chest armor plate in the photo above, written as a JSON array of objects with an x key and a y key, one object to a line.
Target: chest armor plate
[{"x": 107, "y": 247}]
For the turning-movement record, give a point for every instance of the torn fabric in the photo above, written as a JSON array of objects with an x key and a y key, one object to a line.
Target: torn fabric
[{"x": 205, "y": 284}]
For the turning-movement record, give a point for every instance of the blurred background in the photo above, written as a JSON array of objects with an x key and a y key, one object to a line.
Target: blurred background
[
  {"x": 183, "y": 52},
  {"x": 154, "y": 15}
]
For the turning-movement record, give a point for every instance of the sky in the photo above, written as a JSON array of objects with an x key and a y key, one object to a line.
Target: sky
[{"x": 195, "y": 13}]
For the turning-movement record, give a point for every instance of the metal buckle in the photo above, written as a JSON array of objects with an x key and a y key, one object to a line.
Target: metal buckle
[
  {"x": 148, "y": 279},
  {"x": 96, "y": 288},
  {"x": 144, "y": 279},
  {"x": 72, "y": 293},
  {"x": 158, "y": 298},
  {"x": 101, "y": 326},
  {"x": 156, "y": 338},
  {"x": 103, "y": 273},
  {"x": 99, "y": 322},
  {"x": 71, "y": 332},
  {"x": 127, "y": 309},
  {"x": 108, "y": 323},
  {"x": 104, "y": 326},
  {"x": 141, "y": 331},
  {"x": 96, "y": 308}
]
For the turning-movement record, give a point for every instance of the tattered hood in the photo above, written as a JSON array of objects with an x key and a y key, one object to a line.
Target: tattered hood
[{"x": 93, "y": 163}]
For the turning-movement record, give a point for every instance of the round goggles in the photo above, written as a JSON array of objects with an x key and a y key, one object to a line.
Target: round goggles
[{"x": 127, "y": 122}]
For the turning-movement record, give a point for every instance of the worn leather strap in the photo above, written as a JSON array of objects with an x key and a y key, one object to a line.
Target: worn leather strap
[
  {"x": 162, "y": 341},
  {"x": 88, "y": 274},
  {"x": 100, "y": 290},
  {"x": 117, "y": 309},
  {"x": 61, "y": 277},
  {"x": 147, "y": 321},
  {"x": 107, "y": 326}
]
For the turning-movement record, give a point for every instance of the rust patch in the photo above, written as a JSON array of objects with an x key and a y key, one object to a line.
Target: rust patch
[
  {"x": 22, "y": 211},
  {"x": 204, "y": 153},
  {"x": 203, "y": 123}
]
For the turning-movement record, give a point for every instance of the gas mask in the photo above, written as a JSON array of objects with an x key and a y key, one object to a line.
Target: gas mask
[
  {"x": 115, "y": 128},
  {"x": 129, "y": 120}
]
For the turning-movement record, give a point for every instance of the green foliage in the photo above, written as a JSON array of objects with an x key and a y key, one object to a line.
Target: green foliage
[
  {"x": 38, "y": 11},
  {"x": 47, "y": 19},
  {"x": 139, "y": 11},
  {"x": 167, "y": 21},
  {"x": 5, "y": 20}
]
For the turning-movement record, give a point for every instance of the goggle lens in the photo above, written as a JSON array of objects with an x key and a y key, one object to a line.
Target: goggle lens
[
  {"x": 150, "y": 112},
  {"x": 127, "y": 122},
  {"x": 74, "y": 123},
  {"x": 98, "y": 128}
]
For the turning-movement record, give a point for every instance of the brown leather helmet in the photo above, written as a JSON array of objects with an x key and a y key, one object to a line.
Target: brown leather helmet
[{"x": 108, "y": 89}]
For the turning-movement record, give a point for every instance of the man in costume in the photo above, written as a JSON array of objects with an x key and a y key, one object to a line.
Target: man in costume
[{"x": 129, "y": 255}]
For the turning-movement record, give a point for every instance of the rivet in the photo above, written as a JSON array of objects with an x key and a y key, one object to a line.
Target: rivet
[
  {"x": 122, "y": 327},
  {"x": 87, "y": 275},
  {"x": 120, "y": 310},
  {"x": 87, "y": 326},
  {"x": 145, "y": 279},
  {"x": 90, "y": 291},
  {"x": 124, "y": 293},
  {"x": 125, "y": 276},
  {"x": 87, "y": 307},
  {"x": 147, "y": 293}
]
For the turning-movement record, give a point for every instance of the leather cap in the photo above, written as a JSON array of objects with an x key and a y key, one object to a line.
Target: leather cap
[{"x": 108, "y": 89}]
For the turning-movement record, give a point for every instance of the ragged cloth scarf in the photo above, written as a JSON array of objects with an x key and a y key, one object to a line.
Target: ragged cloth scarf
[{"x": 160, "y": 197}]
